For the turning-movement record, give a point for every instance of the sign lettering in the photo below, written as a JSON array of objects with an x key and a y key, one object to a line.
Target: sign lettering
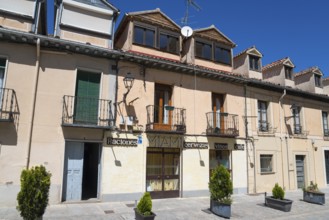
[
  {"x": 238, "y": 146},
  {"x": 202, "y": 145},
  {"x": 121, "y": 141},
  {"x": 221, "y": 146}
]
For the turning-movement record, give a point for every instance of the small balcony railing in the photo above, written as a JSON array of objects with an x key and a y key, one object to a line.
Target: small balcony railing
[
  {"x": 165, "y": 119},
  {"x": 9, "y": 110},
  {"x": 87, "y": 112},
  {"x": 265, "y": 127},
  {"x": 326, "y": 132},
  {"x": 222, "y": 124}
]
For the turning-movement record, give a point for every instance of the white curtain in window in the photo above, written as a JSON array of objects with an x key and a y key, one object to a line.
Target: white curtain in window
[
  {"x": 217, "y": 113},
  {"x": 2, "y": 74},
  {"x": 166, "y": 112}
]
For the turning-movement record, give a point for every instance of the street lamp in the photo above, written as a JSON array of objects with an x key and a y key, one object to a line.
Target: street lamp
[{"x": 128, "y": 82}]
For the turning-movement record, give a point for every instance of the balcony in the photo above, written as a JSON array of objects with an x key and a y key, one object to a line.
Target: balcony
[
  {"x": 222, "y": 124},
  {"x": 87, "y": 112},
  {"x": 165, "y": 119},
  {"x": 265, "y": 127},
  {"x": 9, "y": 110}
]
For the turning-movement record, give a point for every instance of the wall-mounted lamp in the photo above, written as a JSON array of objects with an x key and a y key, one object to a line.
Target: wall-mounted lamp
[
  {"x": 293, "y": 107},
  {"x": 128, "y": 82}
]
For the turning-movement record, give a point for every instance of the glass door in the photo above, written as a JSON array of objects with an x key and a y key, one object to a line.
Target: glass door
[
  {"x": 162, "y": 172},
  {"x": 162, "y": 116}
]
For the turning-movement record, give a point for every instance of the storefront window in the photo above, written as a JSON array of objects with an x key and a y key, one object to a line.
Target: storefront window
[{"x": 218, "y": 157}]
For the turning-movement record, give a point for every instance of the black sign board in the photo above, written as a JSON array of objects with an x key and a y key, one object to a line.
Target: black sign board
[
  {"x": 199, "y": 145},
  {"x": 121, "y": 141},
  {"x": 221, "y": 146},
  {"x": 238, "y": 146}
]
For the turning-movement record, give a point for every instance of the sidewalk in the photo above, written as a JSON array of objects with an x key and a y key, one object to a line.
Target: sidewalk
[{"x": 243, "y": 207}]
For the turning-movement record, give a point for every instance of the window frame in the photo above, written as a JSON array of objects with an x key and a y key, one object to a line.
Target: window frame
[
  {"x": 145, "y": 28},
  {"x": 288, "y": 72},
  {"x": 252, "y": 63},
  {"x": 325, "y": 125},
  {"x": 261, "y": 111},
  {"x": 265, "y": 170},
  {"x": 296, "y": 114},
  {"x": 168, "y": 35},
  {"x": 317, "y": 80},
  {"x": 214, "y": 46}
]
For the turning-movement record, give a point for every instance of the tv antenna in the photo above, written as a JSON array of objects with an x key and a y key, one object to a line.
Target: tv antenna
[{"x": 188, "y": 4}]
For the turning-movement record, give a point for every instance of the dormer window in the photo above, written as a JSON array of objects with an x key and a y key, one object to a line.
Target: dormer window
[
  {"x": 288, "y": 72},
  {"x": 215, "y": 53},
  {"x": 144, "y": 36},
  {"x": 168, "y": 43},
  {"x": 317, "y": 80},
  {"x": 254, "y": 63}
]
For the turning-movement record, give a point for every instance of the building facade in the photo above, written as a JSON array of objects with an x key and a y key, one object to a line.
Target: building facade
[{"x": 149, "y": 109}]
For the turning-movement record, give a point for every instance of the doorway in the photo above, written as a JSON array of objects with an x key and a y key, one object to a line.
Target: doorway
[
  {"x": 162, "y": 172},
  {"x": 300, "y": 171},
  {"x": 81, "y": 171},
  {"x": 326, "y": 159}
]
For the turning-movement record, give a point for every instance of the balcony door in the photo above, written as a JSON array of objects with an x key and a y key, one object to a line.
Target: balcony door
[
  {"x": 86, "y": 98},
  {"x": 162, "y": 114},
  {"x": 218, "y": 110},
  {"x": 2, "y": 76}
]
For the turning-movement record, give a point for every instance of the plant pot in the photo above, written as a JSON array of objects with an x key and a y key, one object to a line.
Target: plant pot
[
  {"x": 314, "y": 197},
  {"x": 139, "y": 216},
  {"x": 220, "y": 209},
  {"x": 283, "y": 205}
]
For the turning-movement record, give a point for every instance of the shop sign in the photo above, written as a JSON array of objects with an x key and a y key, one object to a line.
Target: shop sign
[
  {"x": 221, "y": 146},
  {"x": 238, "y": 146},
  {"x": 121, "y": 141},
  {"x": 200, "y": 145},
  {"x": 165, "y": 141}
]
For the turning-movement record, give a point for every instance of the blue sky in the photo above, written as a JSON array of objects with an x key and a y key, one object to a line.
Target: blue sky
[{"x": 298, "y": 29}]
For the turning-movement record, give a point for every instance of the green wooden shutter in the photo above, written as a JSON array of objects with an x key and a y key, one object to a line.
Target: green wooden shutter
[{"x": 87, "y": 98}]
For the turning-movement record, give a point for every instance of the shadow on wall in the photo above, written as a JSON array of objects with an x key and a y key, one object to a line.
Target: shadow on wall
[{"x": 8, "y": 133}]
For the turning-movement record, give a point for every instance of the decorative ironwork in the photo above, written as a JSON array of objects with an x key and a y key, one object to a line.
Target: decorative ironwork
[
  {"x": 222, "y": 124},
  {"x": 161, "y": 120},
  {"x": 9, "y": 110},
  {"x": 87, "y": 112}
]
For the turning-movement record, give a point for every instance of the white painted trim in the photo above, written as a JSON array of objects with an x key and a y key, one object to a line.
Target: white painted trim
[
  {"x": 88, "y": 7},
  {"x": 324, "y": 165}
]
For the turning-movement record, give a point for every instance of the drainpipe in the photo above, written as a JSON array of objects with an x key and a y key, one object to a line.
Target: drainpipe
[
  {"x": 246, "y": 133},
  {"x": 37, "y": 64},
  {"x": 281, "y": 137}
]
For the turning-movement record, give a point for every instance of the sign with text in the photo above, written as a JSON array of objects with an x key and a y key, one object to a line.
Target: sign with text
[
  {"x": 238, "y": 146},
  {"x": 221, "y": 146},
  {"x": 122, "y": 142},
  {"x": 191, "y": 145}
]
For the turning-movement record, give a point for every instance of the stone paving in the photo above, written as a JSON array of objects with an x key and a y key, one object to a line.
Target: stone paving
[{"x": 243, "y": 207}]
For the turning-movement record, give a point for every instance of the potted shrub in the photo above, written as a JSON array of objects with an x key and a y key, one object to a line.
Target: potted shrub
[
  {"x": 277, "y": 200},
  {"x": 33, "y": 197},
  {"x": 144, "y": 208},
  {"x": 221, "y": 189},
  {"x": 313, "y": 195}
]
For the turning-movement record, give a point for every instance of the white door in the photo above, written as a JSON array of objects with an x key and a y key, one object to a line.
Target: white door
[{"x": 74, "y": 153}]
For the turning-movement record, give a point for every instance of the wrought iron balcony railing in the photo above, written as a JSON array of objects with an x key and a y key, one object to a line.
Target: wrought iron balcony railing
[
  {"x": 165, "y": 119},
  {"x": 326, "y": 132},
  {"x": 9, "y": 110},
  {"x": 265, "y": 127},
  {"x": 222, "y": 124},
  {"x": 87, "y": 112}
]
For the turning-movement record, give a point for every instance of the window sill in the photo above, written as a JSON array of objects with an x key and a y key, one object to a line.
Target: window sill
[{"x": 267, "y": 173}]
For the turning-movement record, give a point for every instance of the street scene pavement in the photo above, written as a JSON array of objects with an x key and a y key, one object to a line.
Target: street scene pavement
[{"x": 243, "y": 207}]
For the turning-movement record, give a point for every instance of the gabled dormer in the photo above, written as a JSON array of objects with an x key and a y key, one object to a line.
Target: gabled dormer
[
  {"x": 280, "y": 72},
  {"x": 325, "y": 84},
  {"x": 310, "y": 80},
  {"x": 149, "y": 32},
  {"x": 86, "y": 21},
  {"x": 23, "y": 15},
  {"x": 212, "y": 49},
  {"x": 248, "y": 63}
]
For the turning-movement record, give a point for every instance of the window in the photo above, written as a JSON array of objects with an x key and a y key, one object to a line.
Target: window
[
  {"x": 254, "y": 63},
  {"x": 162, "y": 99},
  {"x": 217, "y": 157},
  {"x": 144, "y": 36},
  {"x": 266, "y": 165},
  {"x": 262, "y": 116},
  {"x": 288, "y": 72},
  {"x": 2, "y": 76},
  {"x": 296, "y": 116},
  {"x": 317, "y": 80},
  {"x": 222, "y": 55},
  {"x": 168, "y": 43},
  {"x": 217, "y": 53},
  {"x": 325, "y": 123},
  {"x": 203, "y": 50}
]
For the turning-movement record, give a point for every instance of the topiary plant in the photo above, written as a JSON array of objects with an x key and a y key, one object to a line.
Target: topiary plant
[
  {"x": 144, "y": 206},
  {"x": 278, "y": 192},
  {"x": 33, "y": 197},
  {"x": 220, "y": 185}
]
